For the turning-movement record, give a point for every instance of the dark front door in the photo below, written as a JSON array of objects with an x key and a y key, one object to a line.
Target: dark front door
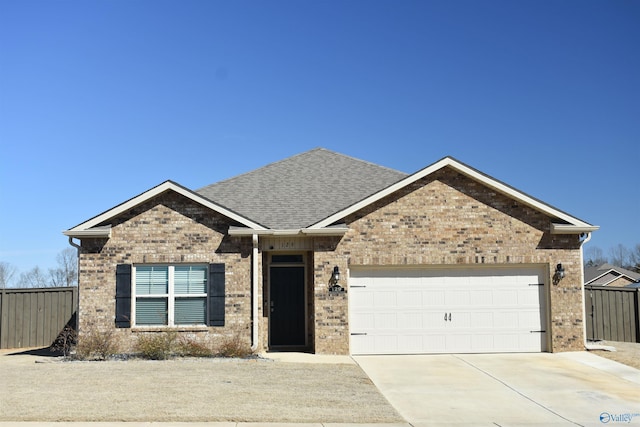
[{"x": 287, "y": 319}]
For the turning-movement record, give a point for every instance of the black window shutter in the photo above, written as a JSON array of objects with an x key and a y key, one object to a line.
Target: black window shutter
[
  {"x": 123, "y": 296},
  {"x": 216, "y": 294}
]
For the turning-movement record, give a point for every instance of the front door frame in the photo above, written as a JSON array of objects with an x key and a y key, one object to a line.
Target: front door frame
[{"x": 298, "y": 264}]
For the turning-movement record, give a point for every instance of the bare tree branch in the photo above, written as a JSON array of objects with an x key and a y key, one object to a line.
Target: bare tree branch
[{"x": 7, "y": 271}]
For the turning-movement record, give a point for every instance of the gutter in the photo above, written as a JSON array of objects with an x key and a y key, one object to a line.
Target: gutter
[
  {"x": 243, "y": 231},
  {"x": 587, "y": 346},
  {"x": 254, "y": 293},
  {"x": 573, "y": 229},
  {"x": 97, "y": 232}
]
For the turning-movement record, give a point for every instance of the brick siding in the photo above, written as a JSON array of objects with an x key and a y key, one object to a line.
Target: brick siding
[
  {"x": 168, "y": 229},
  {"x": 445, "y": 219}
]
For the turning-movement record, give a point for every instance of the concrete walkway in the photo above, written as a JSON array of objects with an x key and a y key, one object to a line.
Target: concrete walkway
[{"x": 507, "y": 389}]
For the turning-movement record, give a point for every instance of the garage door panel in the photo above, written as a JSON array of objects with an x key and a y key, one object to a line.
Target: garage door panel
[
  {"x": 481, "y": 319},
  {"x": 385, "y": 298},
  {"x": 457, "y": 298},
  {"x": 433, "y": 298},
  {"x": 411, "y": 321},
  {"x": 385, "y": 321},
  {"x": 410, "y": 298},
  {"x": 407, "y": 311}
]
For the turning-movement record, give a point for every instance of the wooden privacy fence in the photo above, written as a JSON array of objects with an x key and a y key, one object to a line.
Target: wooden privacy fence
[
  {"x": 35, "y": 317},
  {"x": 612, "y": 313}
]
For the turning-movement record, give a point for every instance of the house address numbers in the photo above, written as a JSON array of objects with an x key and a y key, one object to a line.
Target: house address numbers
[{"x": 287, "y": 244}]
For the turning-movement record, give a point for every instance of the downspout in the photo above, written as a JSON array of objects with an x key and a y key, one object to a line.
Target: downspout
[
  {"x": 254, "y": 293},
  {"x": 77, "y": 302},
  {"x": 584, "y": 303},
  {"x": 75, "y": 245}
]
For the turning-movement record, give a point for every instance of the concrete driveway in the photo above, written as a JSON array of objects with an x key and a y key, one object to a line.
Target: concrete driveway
[{"x": 561, "y": 389}]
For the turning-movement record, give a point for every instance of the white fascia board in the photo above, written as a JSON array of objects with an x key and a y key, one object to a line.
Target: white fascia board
[
  {"x": 241, "y": 231},
  {"x": 245, "y": 231},
  {"x": 572, "y": 229},
  {"x": 155, "y": 191},
  {"x": 98, "y": 232},
  {"x": 469, "y": 172},
  {"x": 325, "y": 231}
]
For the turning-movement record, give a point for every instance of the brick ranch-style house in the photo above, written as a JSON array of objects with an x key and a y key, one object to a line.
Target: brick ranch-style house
[{"x": 328, "y": 254}]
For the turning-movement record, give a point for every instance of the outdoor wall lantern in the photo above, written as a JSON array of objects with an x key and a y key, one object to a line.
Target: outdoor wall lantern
[
  {"x": 334, "y": 285},
  {"x": 559, "y": 271}
]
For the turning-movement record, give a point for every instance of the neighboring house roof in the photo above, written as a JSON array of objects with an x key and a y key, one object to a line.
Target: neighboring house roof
[
  {"x": 312, "y": 192},
  {"x": 301, "y": 190},
  {"x": 604, "y": 274}
]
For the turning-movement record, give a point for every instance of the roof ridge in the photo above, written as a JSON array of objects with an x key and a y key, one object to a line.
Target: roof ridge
[
  {"x": 360, "y": 160},
  {"x": 272, "y": 164},
  {"x": 254, "y": 170}
]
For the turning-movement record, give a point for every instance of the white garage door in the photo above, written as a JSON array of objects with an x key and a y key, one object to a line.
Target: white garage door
[{"x": 479, "y": 310}]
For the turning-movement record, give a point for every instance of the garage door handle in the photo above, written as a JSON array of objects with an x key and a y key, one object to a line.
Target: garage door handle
[
  {"x": 445, "y": 317},
  {"x": 358, "y": 333}
]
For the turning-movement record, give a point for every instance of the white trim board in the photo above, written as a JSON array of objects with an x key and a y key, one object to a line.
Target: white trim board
[
  {"x": 81, "y": 229},
  {"x": 473, "y": 174}
]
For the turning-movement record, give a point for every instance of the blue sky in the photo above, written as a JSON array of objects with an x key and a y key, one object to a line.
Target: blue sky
[{"x": 102, "y": 100}]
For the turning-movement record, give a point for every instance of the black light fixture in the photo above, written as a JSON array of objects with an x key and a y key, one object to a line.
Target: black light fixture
[
  {"x": 335, "y": 276},
  {"x": 559, "y": 271},
  {"x": 334, "y": 285}
]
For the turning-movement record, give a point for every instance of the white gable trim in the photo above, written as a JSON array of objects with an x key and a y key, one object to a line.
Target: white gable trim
[
  {"x": 475, "y": 175},
  {"x": 617, "y": 275},
  {"x": 87, "y": 228}
]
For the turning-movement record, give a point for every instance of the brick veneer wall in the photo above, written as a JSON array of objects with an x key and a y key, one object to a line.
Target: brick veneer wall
[
  {"x": 168, "y": 229},
  {"x": 449, "y": 219},
  {"x": 444, "y": 219}
]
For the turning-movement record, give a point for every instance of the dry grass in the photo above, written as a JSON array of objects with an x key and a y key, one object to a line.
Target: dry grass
[
  {"x": 188, "y": 390},
  {"x": 626, "y": 353}
]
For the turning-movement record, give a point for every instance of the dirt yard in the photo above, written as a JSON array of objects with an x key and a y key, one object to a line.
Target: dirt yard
[
  {"x": 37, "y": 388},
  {"x": 626, "y": 352}
]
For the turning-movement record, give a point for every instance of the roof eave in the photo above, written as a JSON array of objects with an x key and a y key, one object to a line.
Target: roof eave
[
  {"x": 89, "y": 229},
  {"x": 572, "y": 229},
  {"x": 91, "y": 233},
  {"x": 577, "y": 226},
  {"x": 332, "y": 231}
]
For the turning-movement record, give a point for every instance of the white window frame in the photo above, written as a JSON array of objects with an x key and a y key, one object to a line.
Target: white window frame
[{"x": 171, "y": 295}]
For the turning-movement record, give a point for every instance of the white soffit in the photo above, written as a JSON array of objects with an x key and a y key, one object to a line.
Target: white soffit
[
  {"x": 85, "y": 229},
  {"x": 476, "y": 175}
]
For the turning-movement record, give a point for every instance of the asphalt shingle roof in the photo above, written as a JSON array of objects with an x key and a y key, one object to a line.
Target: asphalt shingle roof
[
  {"x": 593, "y": 272},
  {"x": 301, "y": 190}
]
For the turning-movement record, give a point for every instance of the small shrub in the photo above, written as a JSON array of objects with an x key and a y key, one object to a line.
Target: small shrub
[
  {"x": 234, "y": 346},
  {"x": 191, "y": 348},
  {"x": 158, "y": 346},
  {"x": 96, "y": 344}
]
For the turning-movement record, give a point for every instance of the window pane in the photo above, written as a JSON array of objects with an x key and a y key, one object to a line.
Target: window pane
[
  {"x": 152, "y": 280},
  {"x": 151, "y": 311},
  {"x": 190, "y": 311},
  {"x": 190, "y": 280}
]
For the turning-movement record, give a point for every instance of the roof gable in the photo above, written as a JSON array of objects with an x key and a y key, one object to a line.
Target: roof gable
[
  {"x": 606, "y": 273},
  {"x": 301, "y": 190},
  {"x": 92, "y": 227},
  {"x": 567, "y": 225}
]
